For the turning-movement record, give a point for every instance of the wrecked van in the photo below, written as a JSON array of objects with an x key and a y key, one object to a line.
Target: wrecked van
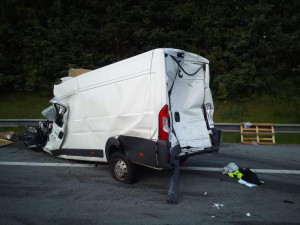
[{"x": 153, "y": 109}]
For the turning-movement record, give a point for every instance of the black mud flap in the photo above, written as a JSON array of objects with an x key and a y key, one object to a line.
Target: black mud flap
[
  {"x": 216, "y": 138},
  {"x": 174, "y": 183}
]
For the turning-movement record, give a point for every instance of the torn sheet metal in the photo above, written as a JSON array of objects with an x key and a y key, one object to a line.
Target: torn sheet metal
[{"x": 186, "y": 100}]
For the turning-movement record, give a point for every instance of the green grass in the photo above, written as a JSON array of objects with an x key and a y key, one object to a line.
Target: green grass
[
  {"x": 262, "y": 110},
  {"x": 21, "y": 105}
]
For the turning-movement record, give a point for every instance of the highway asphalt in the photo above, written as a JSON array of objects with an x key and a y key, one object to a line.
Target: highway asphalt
[{"x": 37, "y": 188}]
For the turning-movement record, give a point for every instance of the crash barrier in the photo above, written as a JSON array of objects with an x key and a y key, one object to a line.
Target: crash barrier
[
  {"x": 260, "y": 133},
  {"x": 225, "y": 127}
]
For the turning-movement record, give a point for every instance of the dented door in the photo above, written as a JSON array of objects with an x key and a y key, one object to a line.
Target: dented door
[{"x": 58, "y": 131}]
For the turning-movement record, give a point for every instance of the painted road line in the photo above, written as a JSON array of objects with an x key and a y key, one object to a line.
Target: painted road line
[
  {"x": 276, "y": 171},
  {"x": 48, "y": 164},
  {"x": 188, "y": 168},
  {"x": 214, "y": 169}
]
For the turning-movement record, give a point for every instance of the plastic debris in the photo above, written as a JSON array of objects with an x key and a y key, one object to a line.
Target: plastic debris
[
  {"x": 212, "y": 216},
  {"x": 205, "y": 193},
  {"x": 246, "y": 183},
  {"x": 231, "y": 167},
  {"x": 217, "y": 205},
  {"x": 247, "y": 214},
  {"x": 247, "y": 124},
  {"x": 4, "y": 142}
]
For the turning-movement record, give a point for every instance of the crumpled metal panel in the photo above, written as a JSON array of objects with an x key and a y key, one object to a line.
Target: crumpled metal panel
[{"x": 187, "y": 98}]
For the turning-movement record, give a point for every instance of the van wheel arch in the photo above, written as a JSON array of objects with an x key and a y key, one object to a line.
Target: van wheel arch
[{"x": 112, "y": 145}]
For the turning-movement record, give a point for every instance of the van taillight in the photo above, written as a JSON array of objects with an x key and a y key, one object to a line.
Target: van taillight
[{"x": 163, "y": 123}]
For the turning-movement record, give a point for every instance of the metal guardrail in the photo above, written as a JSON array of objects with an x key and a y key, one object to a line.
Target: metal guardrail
[
  {"x": 20, "y": 122},
  {"x": 225, "y": 127}
]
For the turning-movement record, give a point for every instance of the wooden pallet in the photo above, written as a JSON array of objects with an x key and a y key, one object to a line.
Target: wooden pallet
[{"x": 260, "y": 133}]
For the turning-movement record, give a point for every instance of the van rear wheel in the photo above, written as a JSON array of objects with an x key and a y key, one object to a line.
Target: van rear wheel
[{"x": 121, "y": 169}]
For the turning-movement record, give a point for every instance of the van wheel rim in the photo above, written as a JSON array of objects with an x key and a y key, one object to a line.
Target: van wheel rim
[{"x": 121, "y": 170}]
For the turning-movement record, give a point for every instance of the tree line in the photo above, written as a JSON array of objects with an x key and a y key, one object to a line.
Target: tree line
[{"x": 253, "y": 46}]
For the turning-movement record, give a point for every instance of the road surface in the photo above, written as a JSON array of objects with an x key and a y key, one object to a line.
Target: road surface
[{"x": 37, "y": 188}]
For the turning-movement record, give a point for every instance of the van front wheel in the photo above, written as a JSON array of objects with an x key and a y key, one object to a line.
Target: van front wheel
[{"x": 121, "y": 169}]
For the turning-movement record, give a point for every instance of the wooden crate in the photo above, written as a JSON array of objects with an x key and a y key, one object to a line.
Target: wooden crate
[{"x": 260, "y": 133}]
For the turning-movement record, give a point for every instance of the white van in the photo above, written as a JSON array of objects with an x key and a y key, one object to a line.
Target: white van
[{"x": 150, "y": 110}]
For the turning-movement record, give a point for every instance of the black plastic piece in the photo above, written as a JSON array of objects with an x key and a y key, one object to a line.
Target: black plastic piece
[
  {"x": 139, "y": 150},
  {"x": 163, "y": 154},
  {"x": 112, "y": 145},
  {"x": 79, "y": 152},
  {"x": 216, "y": 137},
  {"x": 61, "y": 135},
  {"x": 180, "y": 75},
  {"x": 174, "y": 184},
  {"x": 174, "y": 152},
  {"x": 177, "y": 117},
  {"x": 59, "y": 120},
  {"x": 180, "y": 54},
  {"x": 212, "y": 149},
  {"x": 34, "y": 137}
]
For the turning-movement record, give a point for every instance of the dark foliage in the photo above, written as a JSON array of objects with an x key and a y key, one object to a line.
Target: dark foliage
[{"x": 253, "y": 46}]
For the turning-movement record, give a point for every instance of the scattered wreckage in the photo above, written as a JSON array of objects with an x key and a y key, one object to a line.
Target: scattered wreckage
[{"x": 154, "y": 109}]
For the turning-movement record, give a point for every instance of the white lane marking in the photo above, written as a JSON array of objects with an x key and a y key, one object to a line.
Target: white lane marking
[
  {"x": 48, "y": 164},
  {"x": 214, "y": 169},
  {"x": 190, "y": 168},
  {"x": 276, "y": 171}
]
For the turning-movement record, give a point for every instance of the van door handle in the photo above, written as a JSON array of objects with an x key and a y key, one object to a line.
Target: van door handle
[{"x": 177, "y": 117}]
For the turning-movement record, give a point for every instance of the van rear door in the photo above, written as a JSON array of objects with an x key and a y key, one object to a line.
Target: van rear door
[
  {"x": 186, "y": 97},
  {"x": 187, "y": 115}
]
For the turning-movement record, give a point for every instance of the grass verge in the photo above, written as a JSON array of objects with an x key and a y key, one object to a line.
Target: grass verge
[
  {"x": 262, "y": 110},
  {"x": 24, "y": 105}
]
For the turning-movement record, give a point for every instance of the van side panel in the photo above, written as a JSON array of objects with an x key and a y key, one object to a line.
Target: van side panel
[
  {"x": 160, "y": 97},
  {"x": 118, "y": 103}
]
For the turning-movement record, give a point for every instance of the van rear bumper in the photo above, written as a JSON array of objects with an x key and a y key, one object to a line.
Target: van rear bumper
[{"x": 184, "y": 155}]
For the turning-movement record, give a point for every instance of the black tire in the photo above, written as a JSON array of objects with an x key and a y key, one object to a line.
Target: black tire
[{"x": 121, "y": 169}]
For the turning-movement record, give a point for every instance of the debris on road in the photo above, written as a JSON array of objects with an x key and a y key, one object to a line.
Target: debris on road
[
  {"x": 290, "y": 202},
  {"x": 9, "y": 135},
  {"x": 4, "y": 142},
  {"x": 250, "y": 177},
  {"x": 217, "y": 205},
  {"x": 246, "y": 176},
  {"x": 246, "y": 183},
  {"x": 205, "y": 193},
  {"x": 247, "y": 214},
  {"x": 231, "y": 167}
]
